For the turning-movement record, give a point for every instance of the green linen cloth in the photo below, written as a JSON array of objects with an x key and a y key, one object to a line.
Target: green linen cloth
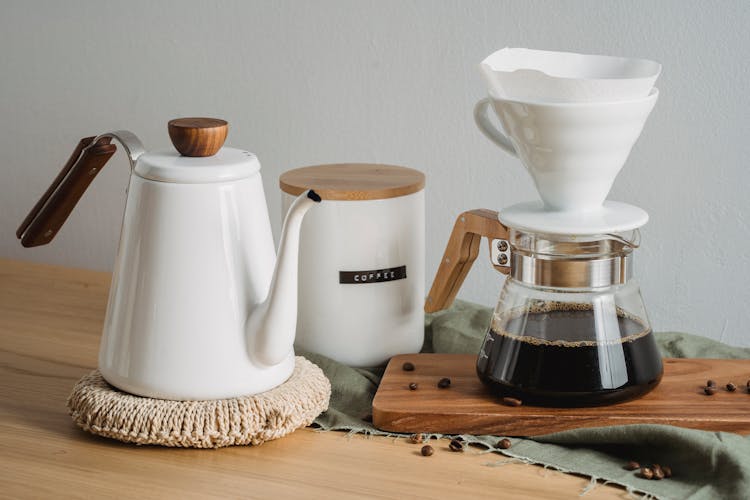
[{"x": 706, "y": 465}]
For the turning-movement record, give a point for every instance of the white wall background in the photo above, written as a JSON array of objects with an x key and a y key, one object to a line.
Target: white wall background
[{"x": 310, "y": 82}]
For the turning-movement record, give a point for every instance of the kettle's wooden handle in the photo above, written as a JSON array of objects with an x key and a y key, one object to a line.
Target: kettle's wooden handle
[
  {"x": 460, "y": 254},
  {"x": 53, "y": 208}
]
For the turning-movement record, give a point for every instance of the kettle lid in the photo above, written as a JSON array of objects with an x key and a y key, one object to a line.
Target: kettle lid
[{"x": 200, "y": 157}]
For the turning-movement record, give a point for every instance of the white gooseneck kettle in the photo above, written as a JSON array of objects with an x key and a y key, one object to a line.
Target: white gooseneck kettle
[{"x": 200, "y": 307}]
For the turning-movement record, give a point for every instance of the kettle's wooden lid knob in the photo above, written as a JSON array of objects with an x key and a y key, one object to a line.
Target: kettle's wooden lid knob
[{"x": 198, "y": 136}]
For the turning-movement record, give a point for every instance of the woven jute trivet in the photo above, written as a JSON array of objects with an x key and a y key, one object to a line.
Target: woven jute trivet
[{"x": 101, "y": 409}]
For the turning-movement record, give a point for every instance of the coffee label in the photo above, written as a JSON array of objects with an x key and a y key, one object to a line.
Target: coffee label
[{"x": 375, "y": 276}]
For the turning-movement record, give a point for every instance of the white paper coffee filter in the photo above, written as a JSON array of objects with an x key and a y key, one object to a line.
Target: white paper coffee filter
[{"x": 547, "y": 76}]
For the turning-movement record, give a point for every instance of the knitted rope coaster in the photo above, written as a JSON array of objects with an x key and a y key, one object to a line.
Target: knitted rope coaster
[{"x": 101, "y": 409}]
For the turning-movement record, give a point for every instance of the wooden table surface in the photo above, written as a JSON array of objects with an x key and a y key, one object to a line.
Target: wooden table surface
[{"x": 50, "y": 322}]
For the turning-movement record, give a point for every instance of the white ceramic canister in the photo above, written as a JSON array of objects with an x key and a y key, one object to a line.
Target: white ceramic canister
[{"x": 361, "y": 261}]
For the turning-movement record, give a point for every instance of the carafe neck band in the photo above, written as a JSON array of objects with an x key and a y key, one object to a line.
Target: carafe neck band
[
  {"x": 558, "y": 261},
  {"x": 571, "y": 273}
]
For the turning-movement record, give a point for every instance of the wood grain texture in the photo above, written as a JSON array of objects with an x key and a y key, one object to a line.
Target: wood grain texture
[
  {"x": 54, "y": 207},
  {"x": 50, "y": 322},
  {"x": 467, "y": 407},
  {"x": 353, "y": 181},
  {"x": 198, "y": 136},
  {"x": 460, "y": 253},
  {"x": 85, "y": 142}
]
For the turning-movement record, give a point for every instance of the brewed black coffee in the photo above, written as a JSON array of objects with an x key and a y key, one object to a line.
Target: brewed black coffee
[{"x": 564, "y": 358}]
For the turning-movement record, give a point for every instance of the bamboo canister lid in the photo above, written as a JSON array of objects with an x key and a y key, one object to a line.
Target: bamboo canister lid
[{"x": 353, "y": 181}]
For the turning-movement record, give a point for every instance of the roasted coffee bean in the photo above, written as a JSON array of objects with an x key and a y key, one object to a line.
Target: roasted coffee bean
[
  {"x": 647, "y": 473},
  {"x": 417, "y": 438},
  {"x": 731, "y": 387},
  {"x": 408, "y": 367},
  {"x": 444, "y": 383},
  {"x": 456, "y": 445},
  {"x": 632, "y": 465},
  {"x": 710, "y": 390},
  {"x": 512, "y": 402},
  {"x": 413, "y": 386},
  {"x": 667, "y": 471},
  {"x": 427, "y": 450},
  {"x": 504, "y": 444},
  {"x": 711, "y": 383}
]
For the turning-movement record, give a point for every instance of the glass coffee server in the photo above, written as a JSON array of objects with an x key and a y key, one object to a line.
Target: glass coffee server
[{"x": 570, "y": 327}]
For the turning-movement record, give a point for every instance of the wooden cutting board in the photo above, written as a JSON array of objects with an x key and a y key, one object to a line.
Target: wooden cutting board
[{"x": 468, "y": 408}]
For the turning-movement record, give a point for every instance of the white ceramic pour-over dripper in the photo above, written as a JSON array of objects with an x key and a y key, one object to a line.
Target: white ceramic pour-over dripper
[
  {"x": 547, "y": 76},
  {"x": 573, "y": 151}
]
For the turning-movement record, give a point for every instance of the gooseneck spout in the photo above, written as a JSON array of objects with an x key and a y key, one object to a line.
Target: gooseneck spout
[{"x": 272, "y": 325}]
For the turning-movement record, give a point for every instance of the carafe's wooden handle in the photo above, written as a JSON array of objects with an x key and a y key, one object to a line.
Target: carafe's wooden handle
[
  {"x": 460, "y": 254},
  {"x": 53, "y": 208}
]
